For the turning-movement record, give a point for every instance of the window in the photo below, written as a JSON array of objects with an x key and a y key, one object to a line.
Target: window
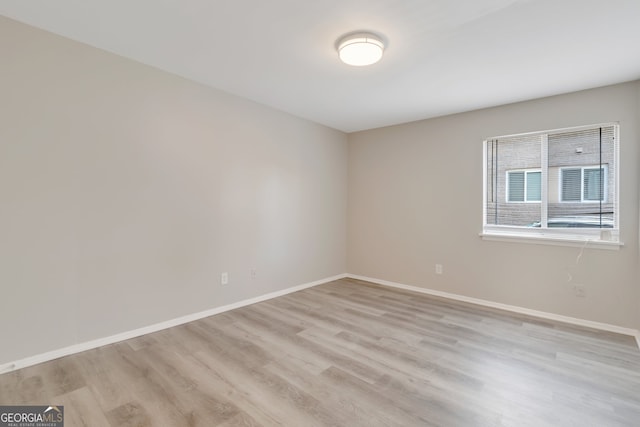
[
  {"x": 523, "y": 186},
  {"x": 585, "y": 184},
  {"x": 554, "y": 185}
]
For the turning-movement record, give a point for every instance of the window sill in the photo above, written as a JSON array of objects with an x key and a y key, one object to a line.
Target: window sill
[{"x": 553, "y": 240}]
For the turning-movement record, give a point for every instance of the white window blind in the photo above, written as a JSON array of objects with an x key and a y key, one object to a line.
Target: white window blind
[
  {"x": 571, "y": 185},
  {"x": 516, "y": 186}
]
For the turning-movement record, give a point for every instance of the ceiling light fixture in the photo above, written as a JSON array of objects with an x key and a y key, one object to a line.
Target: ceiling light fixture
[{"x": 360, "y": 49}]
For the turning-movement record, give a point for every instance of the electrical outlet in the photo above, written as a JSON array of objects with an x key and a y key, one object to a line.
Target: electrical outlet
[
  {"x": 439, "y": 269},
  {"x": 224, "y": 278},
  {"x": 579, "y": 290}
]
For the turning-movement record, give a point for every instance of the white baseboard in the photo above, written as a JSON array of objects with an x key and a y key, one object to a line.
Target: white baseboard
[
  {"x": 77, "y": 348},
  {"x": 515, "y": 309}
]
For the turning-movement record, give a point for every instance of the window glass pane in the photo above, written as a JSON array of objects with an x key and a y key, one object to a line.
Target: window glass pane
[
  {"x": 534, "y": 187},
  {"x": 507, "y": 161},
  {"x": 571, "y": 185},
  {"x": 516, "y": 186},
  {"x": 581, "y": 173},
  {"x": 593, "y": 184}
]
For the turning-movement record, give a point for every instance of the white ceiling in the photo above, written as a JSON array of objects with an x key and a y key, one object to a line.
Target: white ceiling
[{"x": 443, "y": 56}]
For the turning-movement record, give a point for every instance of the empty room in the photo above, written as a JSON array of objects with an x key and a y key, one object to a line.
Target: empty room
[{"x": 330, "y": 213}]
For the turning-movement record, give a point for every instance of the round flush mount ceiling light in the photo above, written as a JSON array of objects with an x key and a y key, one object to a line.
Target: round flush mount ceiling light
[{"x": 360, "y": 49}]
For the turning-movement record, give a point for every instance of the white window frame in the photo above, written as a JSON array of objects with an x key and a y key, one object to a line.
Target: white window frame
[
  {"x": 526, "y": 180},
  {"x": 608, "y": 238},
  {"x": 605, "y": 189}
]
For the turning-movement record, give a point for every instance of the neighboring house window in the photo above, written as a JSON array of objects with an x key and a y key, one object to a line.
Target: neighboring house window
[
  {"x": 523, "y": 186},
  {"x": 585, "y": 184},
  {"x": 559, "y": 184}
]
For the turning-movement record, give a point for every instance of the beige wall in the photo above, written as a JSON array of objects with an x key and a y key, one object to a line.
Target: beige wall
[
  {"x": 637, "y": 167},
  {"x": 126, "y": 191},
  {"x": 415, "y": 199}
]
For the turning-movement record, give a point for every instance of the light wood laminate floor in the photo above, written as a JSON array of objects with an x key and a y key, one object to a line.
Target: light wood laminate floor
[{"x": 347, "y": 353}]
